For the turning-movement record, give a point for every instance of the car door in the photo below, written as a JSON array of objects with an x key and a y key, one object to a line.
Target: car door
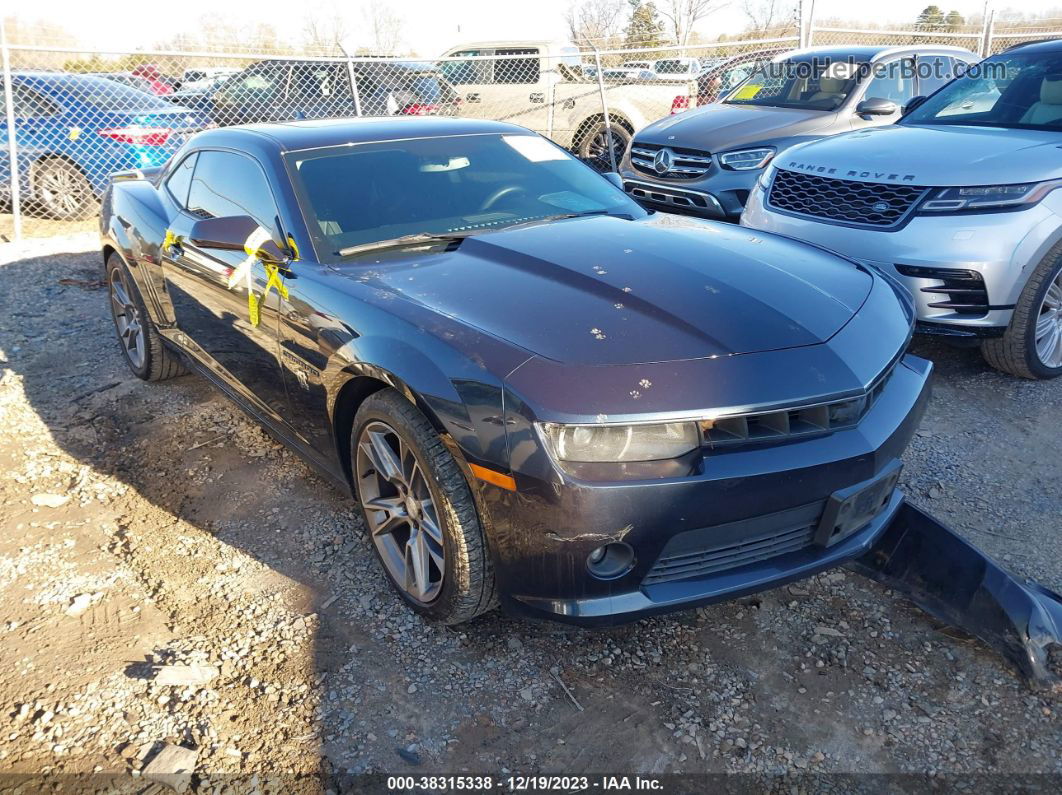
[
  {"x": 38, "y": 130},
  {"x": 893, "y": 80},
  {"x": 209, "y": 291}
]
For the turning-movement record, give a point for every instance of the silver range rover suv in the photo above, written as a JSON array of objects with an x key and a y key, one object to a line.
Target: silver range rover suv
[{"x": 959, "y": 200}]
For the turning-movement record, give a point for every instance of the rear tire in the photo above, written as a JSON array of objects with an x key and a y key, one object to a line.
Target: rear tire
[
  {"x": 422, "y": 510},
  {"x": 593, "y": 149},
  {"x": 1031, "y": 347},
  {"x": 62, "y": 190},
  {"x": 142, "y": 347}
]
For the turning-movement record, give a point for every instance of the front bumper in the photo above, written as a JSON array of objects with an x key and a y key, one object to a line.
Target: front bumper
[
  {"x": 719, "y": 194},
  {"x": 1001, "y": 250},
  {"x": 543, "y": 533}
]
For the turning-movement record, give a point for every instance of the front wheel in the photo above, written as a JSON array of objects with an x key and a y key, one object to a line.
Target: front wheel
[
  {"x": 419, "y": 512},
  {"x": 593, "y": 146},
  {"x": 1031, "y": 347}
]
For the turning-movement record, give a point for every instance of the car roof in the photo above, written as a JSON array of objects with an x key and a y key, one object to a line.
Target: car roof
[
  {"x": 1041, "y": 45},
  {"x": 873, "y": 52},
  {"x": 320, "y": 133}
]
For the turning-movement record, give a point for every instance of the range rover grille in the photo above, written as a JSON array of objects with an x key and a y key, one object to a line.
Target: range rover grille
[{"x": 843, "y": 201}]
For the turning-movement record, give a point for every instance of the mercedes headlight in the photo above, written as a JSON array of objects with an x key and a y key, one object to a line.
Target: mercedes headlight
[
  {"x": 987, "y": 197},
  {"x": 746, "y": 159},
  {"x": 616, "y": 443}
]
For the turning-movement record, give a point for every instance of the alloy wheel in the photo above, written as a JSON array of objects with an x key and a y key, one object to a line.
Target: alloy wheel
[
  {"x": 1048, "y": 333},
  {"x": 127, "y": 319},
  {"x": 597, "y": 148},
  {"x": 61, "y": 190},
  {"x": 400, "y": 511}
]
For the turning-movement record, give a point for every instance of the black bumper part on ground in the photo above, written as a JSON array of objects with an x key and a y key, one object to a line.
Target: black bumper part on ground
[{"x": 953, "y": 580}]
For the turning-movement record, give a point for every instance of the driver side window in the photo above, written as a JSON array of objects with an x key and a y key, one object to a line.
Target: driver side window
[
  {"x": 893, "y": 80},
  {"x": 226, "y": 184}
]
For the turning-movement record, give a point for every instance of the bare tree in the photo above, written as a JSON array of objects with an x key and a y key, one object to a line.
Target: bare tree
[
  {"x": 325, "y": 30},
  {"x": 763, "y": 15},
  {"x": 592, "y": 21},
  {"x": 384, "y": 27},
  {"x": 684, "y": 14}
]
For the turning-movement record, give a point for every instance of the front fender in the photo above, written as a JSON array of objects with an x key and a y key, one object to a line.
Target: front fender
[{"x": 462, "y": 400}]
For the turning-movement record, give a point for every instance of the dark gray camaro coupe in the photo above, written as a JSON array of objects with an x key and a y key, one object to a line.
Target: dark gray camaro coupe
[{"x": 539, "y": 393}]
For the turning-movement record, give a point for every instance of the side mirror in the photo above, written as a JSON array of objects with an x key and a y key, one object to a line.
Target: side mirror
[
  {"x": 235, "y": 233},
  {"x": 914, "y": 103},
  {"x": 876, "y": 106},
  {"x": 614, "y": 178}
]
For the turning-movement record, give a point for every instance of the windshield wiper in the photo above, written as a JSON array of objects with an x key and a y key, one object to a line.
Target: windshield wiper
[{"x": 405, "y": 240}]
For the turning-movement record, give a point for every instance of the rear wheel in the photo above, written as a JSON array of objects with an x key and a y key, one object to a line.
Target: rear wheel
[
  {"x": 62, "y": 190},
  {"x": 593, "y": 145},
  {"x": 419, "y": 512},
  {"x": 142, "y": 346},
  {"x": 1031, "y": 347}
]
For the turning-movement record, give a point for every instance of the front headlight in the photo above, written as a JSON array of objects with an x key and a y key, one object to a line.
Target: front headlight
[
  {"x": 615, "y": 443},
  {"x": 987, "y": 197},
  {"x": 746, "y": 159}
]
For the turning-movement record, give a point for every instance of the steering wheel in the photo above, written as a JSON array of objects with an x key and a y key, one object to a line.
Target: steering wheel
[{"x": 500, "y": 194}]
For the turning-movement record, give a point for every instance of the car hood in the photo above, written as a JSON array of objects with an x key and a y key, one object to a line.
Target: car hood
[
  {"x": 718, "y": 127},
  {"x": 605, "y": 291},
  {"x": 942, "y": 156}
]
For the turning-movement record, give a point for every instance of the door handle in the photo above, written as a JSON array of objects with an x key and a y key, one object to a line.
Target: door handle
[
  {"x": 537, "y": 97},
  {"x": 473, "y": 97}
]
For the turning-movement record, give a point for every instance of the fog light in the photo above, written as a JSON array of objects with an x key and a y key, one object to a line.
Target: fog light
[{"x": 610, "y": 561}]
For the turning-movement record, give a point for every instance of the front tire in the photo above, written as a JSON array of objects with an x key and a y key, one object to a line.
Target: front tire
[
  {"x": 142, "y": 346},
  {"x": 1031, "y": 347},
  {"x": 419, "y": 512}
]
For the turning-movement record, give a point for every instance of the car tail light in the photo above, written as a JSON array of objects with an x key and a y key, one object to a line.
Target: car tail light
[
  {"x": 418, "y": 109},
  {"x": 143, "y": 136},
  {"x": 680, "y": 103}
]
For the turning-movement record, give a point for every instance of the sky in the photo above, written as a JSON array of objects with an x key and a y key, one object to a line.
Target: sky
[{"x": 429, "y": 26}]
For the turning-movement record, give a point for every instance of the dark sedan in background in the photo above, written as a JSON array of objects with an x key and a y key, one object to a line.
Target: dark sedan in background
[{"x": 540, "y": 393}]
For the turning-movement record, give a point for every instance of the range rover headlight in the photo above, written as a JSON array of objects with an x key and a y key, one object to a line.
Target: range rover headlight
[
  {"x": 746, "y": 159},
  {"x": 616, "y": 443},
  {"x": 987, "y": 197}
]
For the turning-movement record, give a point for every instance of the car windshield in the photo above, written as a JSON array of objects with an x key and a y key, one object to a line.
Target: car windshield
[
  {"x": 103, "y": 93},
  {"x": 366, "y": 193},
  {"x": 1011, "y": 91},
  {"x": 819, "y": 84}
]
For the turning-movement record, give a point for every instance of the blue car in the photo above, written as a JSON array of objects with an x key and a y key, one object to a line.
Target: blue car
[{"x": 73, "y": 131}]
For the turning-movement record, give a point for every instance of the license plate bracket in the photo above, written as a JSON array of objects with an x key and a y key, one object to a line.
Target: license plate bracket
[{"x": 851, "y": 509}]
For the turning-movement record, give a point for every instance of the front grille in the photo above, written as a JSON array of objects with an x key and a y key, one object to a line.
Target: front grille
[
  {"x": 792, "y": 423},
  {"x": 684, "y": 199},
  {"x": 843, "y": 201},
  {"x": 685, "y": 163},
  {"x": 709, "y": 550},
  {"x": 961, "y": 291}
]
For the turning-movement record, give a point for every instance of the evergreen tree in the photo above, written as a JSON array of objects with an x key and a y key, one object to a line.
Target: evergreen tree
[
  {"x": 931, "y": 18},
  {"x": 645, "y": 28}
]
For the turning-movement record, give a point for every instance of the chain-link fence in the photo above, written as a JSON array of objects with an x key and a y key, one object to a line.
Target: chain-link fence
[{"x": 71, "y": 118}]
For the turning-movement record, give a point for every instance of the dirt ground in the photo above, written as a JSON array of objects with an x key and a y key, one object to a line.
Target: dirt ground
[{"x": 146, "y": 526}]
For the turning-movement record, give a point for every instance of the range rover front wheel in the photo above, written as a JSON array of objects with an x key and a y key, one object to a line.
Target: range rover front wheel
[
  {"x": 1031, "y": 347},
  {"x": 419, "y": 512}
]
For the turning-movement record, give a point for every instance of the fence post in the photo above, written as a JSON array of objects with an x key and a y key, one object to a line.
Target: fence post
[
  {"x": 12, "y": 146},
  {"x": 604, "y": 110},
  {"x": 353, "y": 75},
  {"x": 986, "y": 38},
  {"x": 552, "y": 76}
]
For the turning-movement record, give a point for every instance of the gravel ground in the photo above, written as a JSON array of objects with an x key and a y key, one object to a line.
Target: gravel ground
[{"x": 152, "y": 533}]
